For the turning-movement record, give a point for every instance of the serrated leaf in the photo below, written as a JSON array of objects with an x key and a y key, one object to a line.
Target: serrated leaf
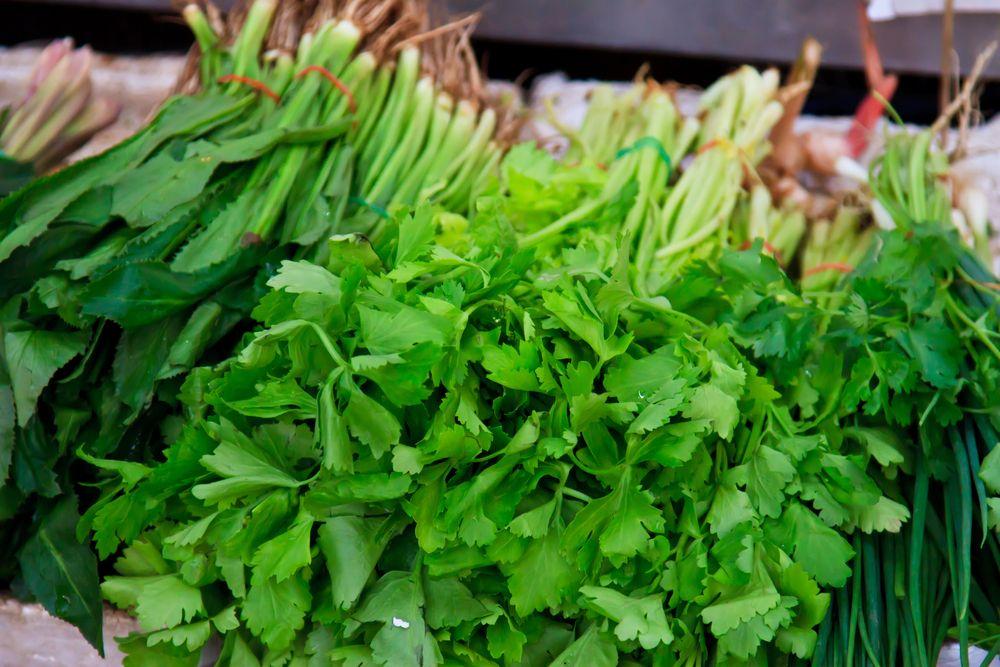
[{"x": 33, "y": 357}]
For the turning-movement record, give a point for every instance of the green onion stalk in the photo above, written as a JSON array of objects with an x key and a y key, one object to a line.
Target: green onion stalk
[{"x": 124, "y": 271}]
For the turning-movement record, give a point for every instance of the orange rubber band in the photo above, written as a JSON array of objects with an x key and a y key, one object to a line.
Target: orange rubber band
[
  {"x": 704, "y": 148},
  {"x": 259, "y": 86},
  {"x": 830, "y": 266},
  {"x": 337, "y": 83},
  {"x": 767, "y": 247}
]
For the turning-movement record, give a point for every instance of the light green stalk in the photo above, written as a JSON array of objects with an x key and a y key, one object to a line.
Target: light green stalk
[{"x": 394, "y": 118}]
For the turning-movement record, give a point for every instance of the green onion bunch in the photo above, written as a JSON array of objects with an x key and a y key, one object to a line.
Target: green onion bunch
[{"x": 671, "y": 183}]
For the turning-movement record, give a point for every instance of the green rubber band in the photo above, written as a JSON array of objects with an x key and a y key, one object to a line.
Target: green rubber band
[
  {"x": 381, "y": 212},
  {"x": 649, "y": 142}
]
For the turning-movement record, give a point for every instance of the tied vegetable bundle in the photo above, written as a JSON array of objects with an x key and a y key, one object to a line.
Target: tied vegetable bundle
[
  {"x": 432, "y": 454},
  {"x": 122, "y": 272},
  {"x": 522, "y": 437}
]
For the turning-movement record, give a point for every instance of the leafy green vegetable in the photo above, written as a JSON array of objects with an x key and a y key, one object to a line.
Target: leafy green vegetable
[
  {"x": 574, "y": 415},
  {"x": 62, "y": 573},
  {"x": 387, "y": 438},
  {"x": 122, "y": 272}
]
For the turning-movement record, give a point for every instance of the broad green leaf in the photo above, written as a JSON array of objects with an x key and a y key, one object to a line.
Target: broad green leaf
[
  {"x": 351, "y": 547},
  {"x": 731, "y": 611},
  {"x": 449, "y": 604},
  {"x": 592, "y": 649},
  {"x": 621, "y": 521},
  {"x": 331, "y": 429},
  {"x": 396, "y": 602},
  {"x": 286, "y": 554},
  {"x": 720, "y": 409},
  {"x": 278, "y": 398},
  {"x": 816, "y": 547},
  {"x": 730, "y": 508},
  {"x": 884, "y": 516},
  {"x": 165, "y": 602},
  {"x": 61, "y": 573},
  {"x": 543, "y": 578},
  {"x": 989, "y": 470},
  {"x": 371, "y": 423},
  {"x": 33, "y": 357},
  {"x": 641, "y": 379},
  {"x": 191, "y": 636},
  {"x": 149, "y": 192},
  {"x": 143, "y": 293},
  {"x": 304, "y": 277},
  {"x": 245, "y": 470},
  {"x": 275, "y": 611},
  {"x": 641, "y": 619}
]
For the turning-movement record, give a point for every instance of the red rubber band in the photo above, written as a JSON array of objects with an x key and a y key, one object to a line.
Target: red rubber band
[
  {"x": 830, "y": 266},
  {"x": 259, "y": 86},
  {"x": 767, "y": 247},
  {"x": 337, "y": 83}
]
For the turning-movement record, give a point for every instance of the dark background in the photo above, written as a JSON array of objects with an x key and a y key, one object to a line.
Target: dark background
[{"x": 520, "y": 39}]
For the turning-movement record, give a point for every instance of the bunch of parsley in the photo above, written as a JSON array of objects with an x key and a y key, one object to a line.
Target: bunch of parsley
[
  {"x": 432, "y": 451},
  {"x": 445, "y": 448},
  {"x": 915, "y": 342}
]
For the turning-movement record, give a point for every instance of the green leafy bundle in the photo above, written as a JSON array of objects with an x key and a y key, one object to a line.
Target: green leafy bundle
[
  {"x": 433, "y": 454},
  {"x": 445, "y": 448},
  {"x": 122, "y": 272},
  {"x": 588, "y": 420}
]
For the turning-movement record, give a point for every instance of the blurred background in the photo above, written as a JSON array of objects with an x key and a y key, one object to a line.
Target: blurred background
[{"x": 689, "y": 41}]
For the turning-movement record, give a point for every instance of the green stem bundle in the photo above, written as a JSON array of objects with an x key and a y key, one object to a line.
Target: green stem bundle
[{"x": 125, "y": 271}]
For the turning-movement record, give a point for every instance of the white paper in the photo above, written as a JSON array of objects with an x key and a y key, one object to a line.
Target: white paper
[{"x": 886, "y": 10}]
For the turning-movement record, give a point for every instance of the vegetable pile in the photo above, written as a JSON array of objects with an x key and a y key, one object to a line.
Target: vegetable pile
[
  {"x": 122, "y": 272},
  {"x": 498, "y": 408}
]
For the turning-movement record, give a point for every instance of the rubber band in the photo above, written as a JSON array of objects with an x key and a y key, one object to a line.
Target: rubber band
[
  {"x": 337, "y": 83},
  {"x": 259, "y": 86},
  {"x": 721, "y": 142},
  {"x": 829, "y": 266},
  {"x": 734, "y": 151},
  {"x": 381, "y": 212},
  {"x": 767, "y": 246},
  {"x": 649, "y": 142}
]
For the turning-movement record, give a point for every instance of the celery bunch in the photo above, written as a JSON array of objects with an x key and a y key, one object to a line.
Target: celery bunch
[{"x": 665, "y": 203}]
